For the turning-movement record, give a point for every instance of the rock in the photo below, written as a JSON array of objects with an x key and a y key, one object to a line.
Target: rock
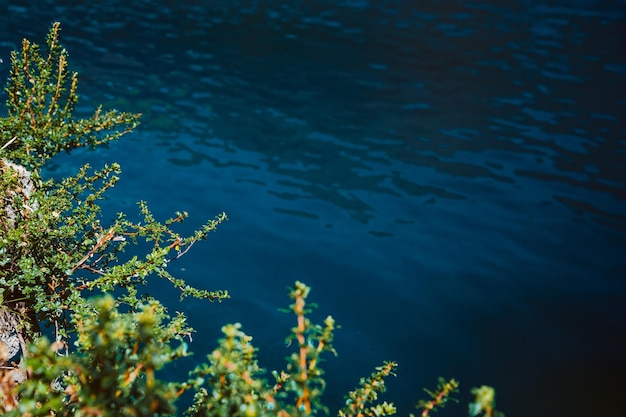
[
  {"x": 16, "y": 203},
  {"x": 23, "y": 186}
]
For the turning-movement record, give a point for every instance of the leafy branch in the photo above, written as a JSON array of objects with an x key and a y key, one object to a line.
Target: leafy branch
[{"x": 42, "y": 95}]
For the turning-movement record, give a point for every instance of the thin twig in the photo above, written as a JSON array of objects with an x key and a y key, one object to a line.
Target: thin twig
[
  {"x": 183, "y": 252},
  {"x": 8, "y": 143},
  {"x": 103, "y": 240}
]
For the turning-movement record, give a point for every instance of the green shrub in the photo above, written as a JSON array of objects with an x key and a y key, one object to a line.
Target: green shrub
[{"x": 60, "y": 266}]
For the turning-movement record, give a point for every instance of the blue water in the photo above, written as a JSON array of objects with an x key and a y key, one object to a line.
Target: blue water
[{"x": 448, "y": 177}]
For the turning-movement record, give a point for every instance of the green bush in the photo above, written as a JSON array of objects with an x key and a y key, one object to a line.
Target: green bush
[{"x": 60, "y": 266}]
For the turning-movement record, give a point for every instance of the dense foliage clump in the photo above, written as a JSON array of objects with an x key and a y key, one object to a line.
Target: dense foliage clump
[{"x": 78, "y": 336}]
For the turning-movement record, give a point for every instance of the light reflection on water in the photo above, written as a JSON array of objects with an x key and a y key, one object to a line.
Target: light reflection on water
[{"x": 451, "y": 174}]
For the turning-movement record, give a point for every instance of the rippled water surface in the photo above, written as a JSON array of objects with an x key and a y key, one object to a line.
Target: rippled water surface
[{"x": 447, "y": 176}]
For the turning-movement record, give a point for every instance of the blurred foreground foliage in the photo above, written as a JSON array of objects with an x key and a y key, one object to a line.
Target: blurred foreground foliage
[{"x": 61, "y": 268}]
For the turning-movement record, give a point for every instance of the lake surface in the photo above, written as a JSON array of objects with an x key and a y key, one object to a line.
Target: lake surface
[{"x": 448, "y": 177}]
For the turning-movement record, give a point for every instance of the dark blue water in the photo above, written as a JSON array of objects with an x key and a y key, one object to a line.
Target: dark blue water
[{"x": 449, "y": 177}]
